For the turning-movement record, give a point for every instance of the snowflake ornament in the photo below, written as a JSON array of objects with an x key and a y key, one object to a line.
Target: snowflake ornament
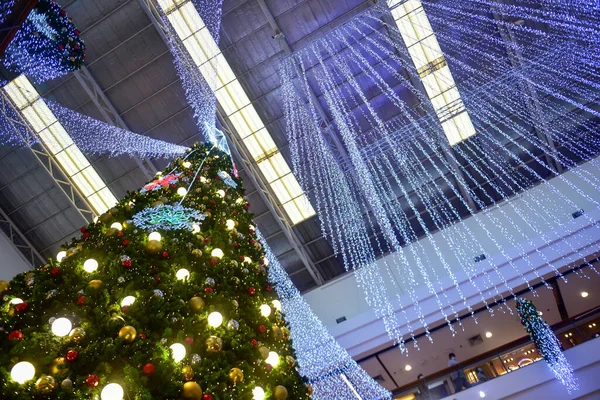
[
  {"x": 167, "y": 217},
  {"x": 227, "y": 179}
]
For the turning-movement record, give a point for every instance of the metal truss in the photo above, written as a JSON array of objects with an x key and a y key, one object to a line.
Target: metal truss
[
  {"x": 46, "y": 158},
  {"x": 249, "y": 164},
  {"x": 110, "y": 114},
  {"x": 19, "y": 241}
]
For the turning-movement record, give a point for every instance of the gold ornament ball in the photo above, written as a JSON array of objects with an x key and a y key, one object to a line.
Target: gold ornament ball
[
  {"x": 46, "y": 384},
  {"x": 95, "y": 284},
  {"x": 4, "y": 286},
  {"x": 77, "y": 335},
  {"x": 214, "y": 344},
  {"x": 290, "y": 361},
  {"x": 285, "y": 332},
  {"x": 112, "y": 232},
  {"x": 67, "y": 385},
  {"x": 196, "y": 304},
  {"x": 157, "y": 203},
  {"x": 128, "y": 333},
  {"x": 235, "y": 304},
  {"x": 56, "y": 364},
  {"x": 277, "y": 333},
  {"x": 105, "y": 217},
  {"x": 280, "y": 393},
  {"x": 309, "y": 390},
  {"x": 264, "y": 352},
  {"x": 187, "y": 373},
  {"x": 113, "y": 211},
  {"x": 153, "y": 247},
  {"x": 197, "y": 252},
  {"x": 235, "y": 376},
  {"x": 192, "y": 391}
]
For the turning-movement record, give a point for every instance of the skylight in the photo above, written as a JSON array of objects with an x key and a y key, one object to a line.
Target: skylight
[
  {"x": 58, "y": 142},
  {"x": 234, "y": 101},
  {"x": 429, "y": 60}
]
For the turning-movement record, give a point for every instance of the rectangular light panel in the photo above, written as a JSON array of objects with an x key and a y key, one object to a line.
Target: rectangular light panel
[
  {"x": 234, "y": 101},
  {"x": 58, "y": 142},
  {"x": 426, "y": 54}
]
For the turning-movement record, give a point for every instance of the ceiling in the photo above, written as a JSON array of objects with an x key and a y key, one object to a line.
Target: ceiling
[{"x": 133, "y": 68}]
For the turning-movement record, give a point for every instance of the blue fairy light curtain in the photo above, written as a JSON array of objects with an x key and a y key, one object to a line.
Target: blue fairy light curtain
[
  {"x": 428, "y": 112},
  {"x": 330, "y": 370}
]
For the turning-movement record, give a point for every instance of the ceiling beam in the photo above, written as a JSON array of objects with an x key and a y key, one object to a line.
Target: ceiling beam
[
  {"x": 19, "y": 241},
  {"x": 241, "y": 153}
]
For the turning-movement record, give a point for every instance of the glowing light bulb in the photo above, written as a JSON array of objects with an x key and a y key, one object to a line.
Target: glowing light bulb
[
  {"x": 112, "y": 391},
  {"x": 154, "y": 236},
  {"x": 61, "y": 327},
  {"x": 182, "y": 274},
  {"x": 159, "y": 173},
  {"x": 265, "y": 310},
  {"x": 182, "y": 191},
  {"x": 221, "y": 193},
  {"x": 251, "y": 227},
  {"x": 488, "y": 335},
  {"x": 273, "y": 359},
  {"x": 247, "y": 260},
  {"x": 16, "y": 301},
  {"x": 127, "y": 301},
  {"x": 22, "y": 372},
  {"x": 481, "y": 394},
  {"x": 96, "y": 218},
  {"x": 230, "y": 224},
  {"x": 217, "y": 253},
  {"x": 408, "y": 367},
  {"x": 177, "y": 351},
  {"x": 277, "y": 305},
  {"x": 61, "y": 255},
  {"x": 266, "y": 262},
  {"x": 187, "y": 164},
  {"x": 203, "y": 179},
  {"x": 195, "y": 228},
  {"x": 90, "y": 265},
  {"x": 584, "y": 294},
  {"x": 215, "y": 319},
  {"x": 240, "y": 200},
  {"x": 117, "y": 225},
  {"x": 258, "y": 393}
]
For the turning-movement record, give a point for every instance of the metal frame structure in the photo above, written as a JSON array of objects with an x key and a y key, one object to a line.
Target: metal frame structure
[
  {"x": 47, "y": 160},
  {"x": 255, "y": 176},
  {"x": 19, "y": 241}
]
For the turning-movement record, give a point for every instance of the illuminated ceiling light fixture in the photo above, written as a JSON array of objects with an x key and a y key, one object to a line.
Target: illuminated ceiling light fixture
[
  {"x": 234, "y": 101},
  {"x": 429, "y": 60},
  {"x": 55, "y": 138}
]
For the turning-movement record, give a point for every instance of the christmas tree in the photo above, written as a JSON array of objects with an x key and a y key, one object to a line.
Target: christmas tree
[
  {"x": 165, "y": 296},
  {"x": 546, "y": 342}
]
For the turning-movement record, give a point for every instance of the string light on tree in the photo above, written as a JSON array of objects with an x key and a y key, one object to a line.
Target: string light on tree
[
  {"x": 273, "y": 359},
  {"x": 127, "y": 301},
  {"x": 258, "y": 393},
  {"x": 155, "y": 236},
  {"x": 265, "y": 310},
  {"x": 215, "y": 319},
  {"x": 177, "y": 352},
  {"x": 112, "y": 391},
  {"x": 22, "y": 372},
  {"x": 117, "y": 225},
  {"x": 182, "y": 191},
  {"x": 230, "y": 224},
  {"x": 217, "y": 253},
  {"x": 61, "y": 255},
  {"x": 221, "y": 193},
  {"x": 61, "y": 327},
  {"x": 16, "y": 301},
  {"x": 277, "y": 305},
  {"x": 183, "y": 274},
  {"x": 90, "y": 265}
]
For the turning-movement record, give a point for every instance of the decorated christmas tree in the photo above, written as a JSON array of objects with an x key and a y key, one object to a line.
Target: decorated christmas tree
[
  {"x": 166, "y": 296},
  {"x": 547, "y": 343}
]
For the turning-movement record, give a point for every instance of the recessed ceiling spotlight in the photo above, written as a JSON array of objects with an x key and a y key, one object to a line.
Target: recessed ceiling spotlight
[
  {"x": 408, "y": 367},
  {"x": 488, "y": 335},
  {"x": 584, "y": 294}
]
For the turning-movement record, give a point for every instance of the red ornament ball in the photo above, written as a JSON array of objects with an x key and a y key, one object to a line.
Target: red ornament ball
[
  {"x": 120, "y": 234},
  {"x": 72, "y": 355},
  {"x": 165, "y": 254},
  {"x": 268, "y": 367},
  {"x": 142, "y": 336},
  {"x": 157, "y": 279},
  {"x": 262, "y": 329},
  {"x": 207, "y": 240},
  {"x": 125, "y": 242},
  {"x": 208, "y": 290},
  {"x": 214, "y": 261},
  {"x": 127, "y": 263},
  {"x": 207, "y": 396},
  {"x": 55, "y": 271},
  {"x": 189, "y": 341},
  {"x": 254, "y": 342},
  {"x": 86, "y": 235},
  {"x": 81, "y": 300},
  {"x": 251, "y": 290},
  {"x": 269, "y": 288},
  {"x": 21, "y": 307},
  {"x": 92, "y": 381},
  {"x": 83, "y": 229},
  {"x": 149, "y": 369},
  {"x": 15, "y": 335}
]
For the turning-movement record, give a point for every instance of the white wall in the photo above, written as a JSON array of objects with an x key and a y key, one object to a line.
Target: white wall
[
  {"x": 11, "y": 260},
  {"x": 536, "y": 381},
  {"x": 362, "y": 332}
]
